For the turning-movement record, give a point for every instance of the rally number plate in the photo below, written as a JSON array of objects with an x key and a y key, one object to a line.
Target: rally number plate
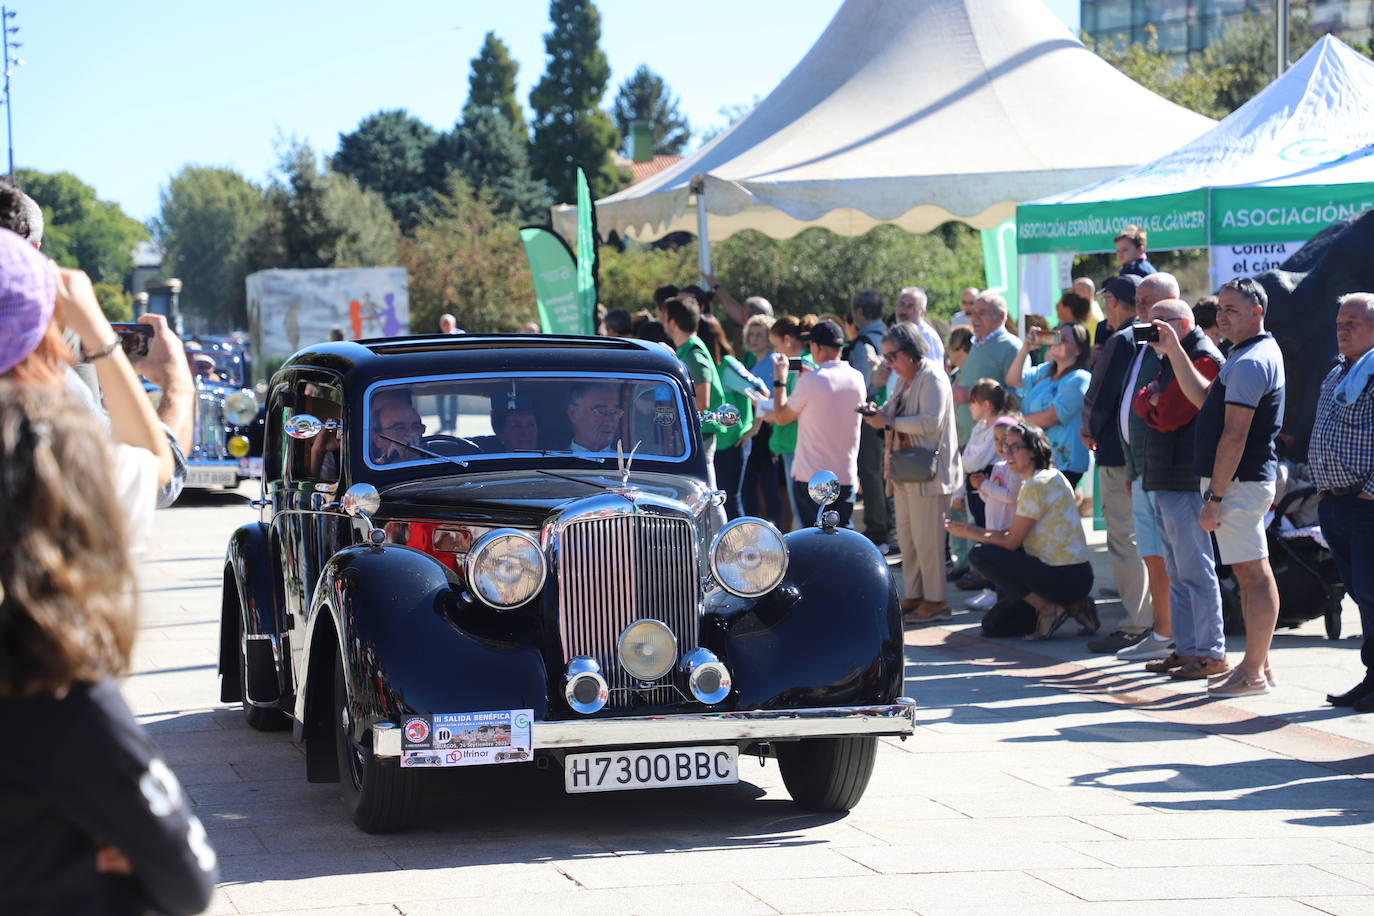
[
  {"x": 211, "y": 477},
  {"x": 612, "y": 771}
]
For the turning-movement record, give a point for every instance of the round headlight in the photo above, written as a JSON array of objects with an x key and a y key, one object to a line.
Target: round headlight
[
  {"x": 647, "y": 649},
  {"x": 748, "y": 557},
  {"x": 241, "y": 408},
  {"x": 505, "y": 568}
]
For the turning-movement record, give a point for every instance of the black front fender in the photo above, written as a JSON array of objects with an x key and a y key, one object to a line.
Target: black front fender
[
  {"x": 250, "y": 593},
  {"x": 392, "y": 608},
  {"x": 829, "y": 635}
]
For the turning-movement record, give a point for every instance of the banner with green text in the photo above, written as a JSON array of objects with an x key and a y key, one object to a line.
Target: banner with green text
[
  {"x": 1273, "y": 214},
  {"x": 555, "y": 283},
  {"x": 1172, "y": 221}
]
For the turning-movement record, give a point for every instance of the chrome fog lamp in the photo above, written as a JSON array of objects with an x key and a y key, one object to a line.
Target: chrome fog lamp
[
  {"x": 647, "y": 649},
  {"x": 584, "y": 687},
  {"x": 505, "y": 568},
  {"x": 241, "y": 407},
  {"x": 748, "y": 557},
  {"x": 707, "y": 677}
]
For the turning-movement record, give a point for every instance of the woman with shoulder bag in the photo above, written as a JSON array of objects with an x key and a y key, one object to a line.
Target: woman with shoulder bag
[{"x": 922, "y": 466}]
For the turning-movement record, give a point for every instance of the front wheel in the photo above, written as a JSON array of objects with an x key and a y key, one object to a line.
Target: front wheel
[
  {"x": 381, "y": 797},
  {"x": 827, "y": 774}
]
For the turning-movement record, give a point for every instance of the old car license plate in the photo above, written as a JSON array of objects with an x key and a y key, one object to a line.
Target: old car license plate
[
  {"x": 211, "y": 477},
  {"x": 612, "y": 771}
]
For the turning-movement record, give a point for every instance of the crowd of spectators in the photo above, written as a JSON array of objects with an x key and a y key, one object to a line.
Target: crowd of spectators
[{"x": 970, "y": 450}]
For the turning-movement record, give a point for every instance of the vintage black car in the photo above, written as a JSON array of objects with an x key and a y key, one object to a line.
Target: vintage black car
[
  {"x": 477, "y": 550},
  {"x": 227, "y": 425}
]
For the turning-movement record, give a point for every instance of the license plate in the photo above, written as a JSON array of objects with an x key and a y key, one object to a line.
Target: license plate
[
  {"x": 613, "y": 771},
  {"x": 211, "y": 477}
]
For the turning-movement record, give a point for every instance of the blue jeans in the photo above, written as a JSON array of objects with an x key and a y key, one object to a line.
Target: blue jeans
[
  {"x": 1348, "y": 524},
  {"x": 1194, "y": 598}
]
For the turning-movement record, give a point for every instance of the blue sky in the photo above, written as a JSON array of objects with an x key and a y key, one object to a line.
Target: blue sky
[{"x": 124, "y": 94}]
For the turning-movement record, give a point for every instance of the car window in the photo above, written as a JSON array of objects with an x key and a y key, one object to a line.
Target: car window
[
  {"x": 494, "y": 416},
  {"x": 317, "y": 459}
]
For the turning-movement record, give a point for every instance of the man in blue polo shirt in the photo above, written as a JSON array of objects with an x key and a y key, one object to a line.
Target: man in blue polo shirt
[{"x": 1238, "y": 422}]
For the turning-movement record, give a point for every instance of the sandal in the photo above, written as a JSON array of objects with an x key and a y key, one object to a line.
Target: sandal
[{"x": 1050, "y": 618}]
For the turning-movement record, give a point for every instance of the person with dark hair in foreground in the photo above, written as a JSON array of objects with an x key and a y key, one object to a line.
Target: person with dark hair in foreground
[{"x": 1040, "y": 565}]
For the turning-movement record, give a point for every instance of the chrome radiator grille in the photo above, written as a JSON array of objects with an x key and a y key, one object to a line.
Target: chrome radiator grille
[
  {"x": 209, "y": 433},
  {"x": 613, "y": 571}
]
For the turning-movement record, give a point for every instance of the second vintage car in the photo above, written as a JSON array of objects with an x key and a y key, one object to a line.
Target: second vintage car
[
  {"x": 485, "y": 550},
  {"x": 227, "y": 421}
]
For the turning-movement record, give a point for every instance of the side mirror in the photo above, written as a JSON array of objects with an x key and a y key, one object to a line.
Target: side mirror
[
  {"x": 726, "y": 415},
  {"x": 304, "y": 426},
  {"x": 824, "y": 489},
  {"x": 361, "y": 499}
]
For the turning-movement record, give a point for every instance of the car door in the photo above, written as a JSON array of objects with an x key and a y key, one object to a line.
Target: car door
[{"x": 307, "y": 524}]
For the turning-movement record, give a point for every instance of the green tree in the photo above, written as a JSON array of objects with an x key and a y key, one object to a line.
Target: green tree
[
  {"x": 645, "y": 97},
  {"x": 388, "y": 153},
  {"x": 465, "y": 259},
  {"x": 488, "y": 153},
  {"x": 208, "y": 221},
  {"x": 114, "y": 302},
  {"x": 570, "y": 129},
  {"x": 319, "y": 218},
  {"x": 80, "y": 230},
  {"x": 1231, "y": 71},
  {"x": 627, "y": 279},
  {"x": 491, "y": 84}
]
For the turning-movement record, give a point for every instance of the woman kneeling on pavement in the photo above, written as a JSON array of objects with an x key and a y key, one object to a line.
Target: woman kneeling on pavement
[
  {"x": 920, "y": 416},
  {"x": 1040, "y": 565}
]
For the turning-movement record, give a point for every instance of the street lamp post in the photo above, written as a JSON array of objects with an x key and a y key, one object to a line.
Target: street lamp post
[{"x": 6, "y": 14}]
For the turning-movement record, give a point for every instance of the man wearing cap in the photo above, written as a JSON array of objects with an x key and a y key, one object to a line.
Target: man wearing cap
[
  {"x": 1101, "y": 406},
  {"x": 825, "y": 405}
]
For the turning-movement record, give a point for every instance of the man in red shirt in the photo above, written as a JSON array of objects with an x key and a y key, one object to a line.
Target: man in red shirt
[{"x": 1169, "y": 477}]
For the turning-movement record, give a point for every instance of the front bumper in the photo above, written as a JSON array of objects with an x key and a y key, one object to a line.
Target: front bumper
[{"x": 892, "y": 719}]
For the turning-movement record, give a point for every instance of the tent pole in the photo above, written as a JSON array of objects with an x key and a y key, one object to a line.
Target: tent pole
[
  {"x": 1281, "y": 36},
  {"x": 703, "y": 240}
]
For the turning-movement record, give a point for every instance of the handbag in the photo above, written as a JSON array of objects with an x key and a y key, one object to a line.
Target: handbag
[{"x": 915, "y": 464}]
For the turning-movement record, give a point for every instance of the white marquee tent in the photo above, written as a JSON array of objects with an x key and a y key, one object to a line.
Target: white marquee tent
[{"x": 912, "y": 112}]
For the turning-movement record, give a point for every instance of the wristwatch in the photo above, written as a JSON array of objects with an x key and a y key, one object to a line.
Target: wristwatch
[
  {"x": 1209, "y": 497},
  {"x": 777, "y": 384}
]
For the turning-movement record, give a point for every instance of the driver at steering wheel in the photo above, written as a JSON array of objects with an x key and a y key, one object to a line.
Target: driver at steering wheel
[{"x": 394, "y": 417}]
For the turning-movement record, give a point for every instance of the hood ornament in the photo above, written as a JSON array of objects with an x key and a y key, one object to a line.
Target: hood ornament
[{"x": 624, "y": 464}]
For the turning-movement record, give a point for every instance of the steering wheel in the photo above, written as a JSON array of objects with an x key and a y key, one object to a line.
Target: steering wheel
[{"x": 445, "y": 439}]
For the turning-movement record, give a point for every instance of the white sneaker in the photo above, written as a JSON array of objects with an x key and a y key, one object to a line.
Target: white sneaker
[
  {"x": 1149, "y": 649},
  {"x": 982, "y": 601}
]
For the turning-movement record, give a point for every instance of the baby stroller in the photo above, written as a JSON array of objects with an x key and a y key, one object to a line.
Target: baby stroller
[{"x": 1308, "y": 582}]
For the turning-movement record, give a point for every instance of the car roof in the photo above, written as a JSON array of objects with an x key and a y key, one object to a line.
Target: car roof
[{"x": 363, "y": 361}]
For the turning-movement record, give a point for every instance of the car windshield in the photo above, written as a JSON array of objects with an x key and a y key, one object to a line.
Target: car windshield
[
  {"x": 223, "y": 367},
  {"x": 508, "y": 416}
]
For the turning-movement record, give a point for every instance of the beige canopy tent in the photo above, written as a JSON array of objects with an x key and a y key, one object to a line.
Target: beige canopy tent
[{"x": 912, "y": 112}]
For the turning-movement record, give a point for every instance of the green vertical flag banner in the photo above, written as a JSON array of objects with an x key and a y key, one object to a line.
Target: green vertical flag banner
[
  {"x": 587, "y": 255},
  {"x": 999, "y": 263},
  {"x": 555, "y": 282}
]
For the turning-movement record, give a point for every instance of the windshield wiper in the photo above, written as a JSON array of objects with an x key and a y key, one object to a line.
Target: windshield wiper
[
  {"x": 424, "y": 451},
  {"x": 546, "y": 452}
]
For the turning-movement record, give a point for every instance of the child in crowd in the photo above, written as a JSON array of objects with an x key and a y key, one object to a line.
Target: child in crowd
[
  {"x": 988, "y": 400},
  {"x": 998, "y": 488}
]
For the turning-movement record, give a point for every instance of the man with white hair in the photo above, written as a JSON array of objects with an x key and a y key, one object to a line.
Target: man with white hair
[
  {"x": 1164, "y": 444},
  {"x": 994, "y": 348},
  {"x": 911, "y": 306},
  {"x": 1158, "y": 642},
  {"x": 1341, "y": 453}
]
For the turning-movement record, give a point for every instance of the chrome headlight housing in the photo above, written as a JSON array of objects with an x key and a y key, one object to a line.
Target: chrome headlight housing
[
  {"x": 748, "y": 557},
  {"x": 240, "y": 408},
  {"x": 505, "y": 568}
]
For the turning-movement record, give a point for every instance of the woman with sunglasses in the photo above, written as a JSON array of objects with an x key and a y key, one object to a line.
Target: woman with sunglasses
[
  {"x": 920, "y": 414},
  {"x": 1039, "y": 566}
]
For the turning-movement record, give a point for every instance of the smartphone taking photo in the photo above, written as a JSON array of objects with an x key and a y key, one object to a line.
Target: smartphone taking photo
[{"x": 135, "y": 338}]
